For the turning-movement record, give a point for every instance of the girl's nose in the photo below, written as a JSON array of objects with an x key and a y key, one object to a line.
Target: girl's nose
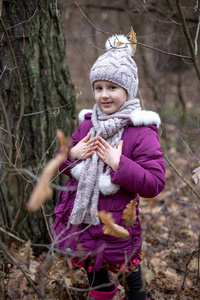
[{"x": 104, "y": 94}]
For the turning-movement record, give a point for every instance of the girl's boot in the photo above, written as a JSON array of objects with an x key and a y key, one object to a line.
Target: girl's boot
[{"x": 104, "y": 295}]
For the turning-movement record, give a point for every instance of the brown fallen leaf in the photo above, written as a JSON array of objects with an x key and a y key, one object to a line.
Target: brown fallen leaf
[
  {"x": 132, "y": 38},
  {"x": 196, "y": 176},
  {"x": 129, "y": 213},
  {"x": 110, "y": 227},
  {"x": 77, "y": 276},
  {"x": 28, "y": 253},
  {"x": 68, "y": 282},
  {"x": 119, "y": 43},
  {"x": 42, "y": 190}
]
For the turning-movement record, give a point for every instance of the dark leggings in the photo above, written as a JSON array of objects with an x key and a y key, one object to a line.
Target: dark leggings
[{"x": 132, "y": 283}]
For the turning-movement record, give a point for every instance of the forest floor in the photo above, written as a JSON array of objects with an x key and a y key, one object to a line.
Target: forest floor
[{"x": 171, "y": 241}]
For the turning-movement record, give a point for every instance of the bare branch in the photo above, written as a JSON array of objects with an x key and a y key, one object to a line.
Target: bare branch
[
  {"x": 14, "y": 26},
  {"x": 1, "y": 4},
  {"x": 196, "y": 37},
  {"x": 12, "y": 235},
  {"x": 188, "y": 38},
  {"x": 108, "y": 33},
  {"x": 8, "y": 129},
  {"x": 185, "y": 274},
  {"x": 3, "y": 72},
  {"x": 196, "y": 6},
  {"x": 79, "y": 50},
  {"x": 187, "y": 183},
  {"x": 165, "y": 52}
]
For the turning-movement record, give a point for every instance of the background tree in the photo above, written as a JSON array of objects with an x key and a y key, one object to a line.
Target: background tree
[{"x": 37, "y": 97}]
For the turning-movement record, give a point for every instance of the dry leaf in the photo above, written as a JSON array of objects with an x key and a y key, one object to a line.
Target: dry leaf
[
  {"x": 129, "y": 213},
  {"x": 110, "y": 227},
  {"x": 148, "y": 275},
  {"x": 132, "y": 38},
  {"x": 77, "y": 276},
  {"x": 28, "y": 253},
  {"x": 196, "y": 176},
  {"x": 43, "y": 191},
  {"x": 119, "y": 43},
  {"x": 68, "y": 282}
]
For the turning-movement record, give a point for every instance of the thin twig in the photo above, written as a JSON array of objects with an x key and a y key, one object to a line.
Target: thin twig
[
  {"x": 47, "y": 151},
  {"x": 18, "y": 150},
  {"x": 32, "y": 175},
  {"x": 188, "y": 38},
  {"x": 5, "y": 114},
  {"x": 49, "y": 109},
  {"x": 108, "y": 33},
  {"x": 197, "y": 282},
  {"x": 15, "y": 167},
  {"x": 3, "y": 72},
  {"x": 187, "y": 183},
  {"x": 164, "y": 52},
  {"x": 57, "y": 7},
  {"x": 79, "y": 50},
  {"x": 185, "y": 274},
  {"x": 46, "y": 222},
  {"x": 196, "y": 6},
  {"x": 1, "y": 5},
  {"x": 188, "y": 147},
  {"x": 14, "y": 26},
  {"x": 196, "y": 37},
  {"x": 12, "y": 235}
]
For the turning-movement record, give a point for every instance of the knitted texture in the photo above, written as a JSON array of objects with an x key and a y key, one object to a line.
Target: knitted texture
[
  {"x": 117, "y": 66},
  {"x": 110, "y": 127}
]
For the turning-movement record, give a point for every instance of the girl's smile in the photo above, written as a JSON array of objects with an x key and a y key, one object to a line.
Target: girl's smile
[{"x": 109, "y": 96}]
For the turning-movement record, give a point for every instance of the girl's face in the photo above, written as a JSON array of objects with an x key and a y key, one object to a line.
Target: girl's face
[{"x": 109, "y": 96}]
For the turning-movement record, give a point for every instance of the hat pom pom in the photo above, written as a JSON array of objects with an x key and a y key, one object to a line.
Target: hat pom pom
[{"x": 118, "y": 42}]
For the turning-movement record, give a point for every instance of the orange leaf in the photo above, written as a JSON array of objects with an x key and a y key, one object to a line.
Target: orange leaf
[
  {"x": 129, "y": 213},
  {"x": 132, "y": 38},
  {"x": 42, "y": 190},
  {"x": 110, "y": 227},
  {"x": 119, "y": 43}
]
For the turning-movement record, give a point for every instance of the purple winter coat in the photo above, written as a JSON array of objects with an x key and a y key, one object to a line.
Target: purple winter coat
[{"x": 141, "y": 172}]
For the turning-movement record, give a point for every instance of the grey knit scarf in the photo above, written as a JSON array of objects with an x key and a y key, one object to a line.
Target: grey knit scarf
[{"x": 110, "y": 127}]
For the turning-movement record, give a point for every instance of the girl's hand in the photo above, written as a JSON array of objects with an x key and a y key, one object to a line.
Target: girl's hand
[
  {"x": 85, "y": 148},
  {"x": 108, "y": 154}
]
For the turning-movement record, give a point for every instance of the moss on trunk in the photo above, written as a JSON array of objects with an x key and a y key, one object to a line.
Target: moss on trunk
[{"x": 33, "y": 52}]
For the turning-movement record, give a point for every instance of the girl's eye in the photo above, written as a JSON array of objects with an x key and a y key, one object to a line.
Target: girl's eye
[
  {"x": 112, "y": 87},
  {"x": 98, "y": 88}
]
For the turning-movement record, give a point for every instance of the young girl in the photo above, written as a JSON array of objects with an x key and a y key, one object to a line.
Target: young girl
[{"x": 115, "y": 157}]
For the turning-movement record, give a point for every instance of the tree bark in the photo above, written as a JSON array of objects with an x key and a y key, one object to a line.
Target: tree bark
[{"x": 36, "y": 97}]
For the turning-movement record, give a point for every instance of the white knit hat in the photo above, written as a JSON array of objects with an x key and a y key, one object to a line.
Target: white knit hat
[{"x": 117, "y": 65}]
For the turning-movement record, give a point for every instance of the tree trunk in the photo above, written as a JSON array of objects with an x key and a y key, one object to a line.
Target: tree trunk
[{"x": 36, "y": 97}]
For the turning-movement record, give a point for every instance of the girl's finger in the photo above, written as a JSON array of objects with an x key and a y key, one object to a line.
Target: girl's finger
[
  {"x": 101, "y": 139},
  {"x": 92, "y": 141},
  {"x": 103, "y": 142},
  {"x": 86, "y": 138}
]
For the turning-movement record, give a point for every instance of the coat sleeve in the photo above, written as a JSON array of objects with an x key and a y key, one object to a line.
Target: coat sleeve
[{"x": 144, "y": 174}]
